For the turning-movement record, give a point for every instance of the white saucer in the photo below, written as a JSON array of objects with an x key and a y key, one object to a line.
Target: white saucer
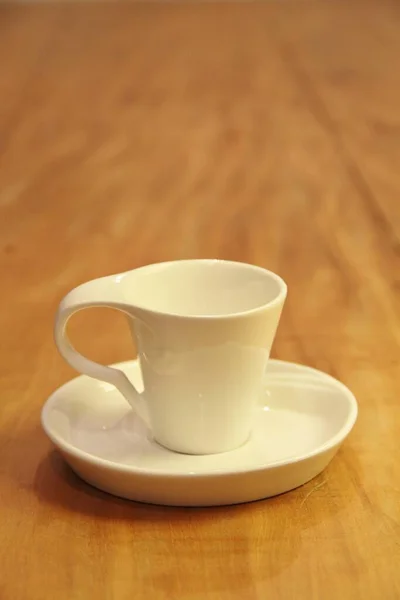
[{"x": 304, "y": 417}]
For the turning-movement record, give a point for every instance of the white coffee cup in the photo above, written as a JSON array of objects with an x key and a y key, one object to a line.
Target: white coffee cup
[{"x": 204, "y": 329}]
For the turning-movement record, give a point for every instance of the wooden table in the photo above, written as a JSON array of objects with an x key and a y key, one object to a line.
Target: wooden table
[{"x": 265, "y": 132}]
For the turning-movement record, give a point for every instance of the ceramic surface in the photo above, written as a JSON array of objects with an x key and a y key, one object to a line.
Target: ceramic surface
[
  {"x": 204, "y": 329},
  {"x": 300, "y": 423}
]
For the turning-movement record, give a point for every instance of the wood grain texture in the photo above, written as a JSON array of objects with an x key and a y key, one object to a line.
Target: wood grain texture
[{"x": 264, "y": 132}]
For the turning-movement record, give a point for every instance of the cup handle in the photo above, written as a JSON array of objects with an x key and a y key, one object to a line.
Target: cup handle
[{"x": 89, "y": 295}]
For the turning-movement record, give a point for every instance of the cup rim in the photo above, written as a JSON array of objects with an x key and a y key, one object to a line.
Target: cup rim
[{"x": 216, "y": 317}]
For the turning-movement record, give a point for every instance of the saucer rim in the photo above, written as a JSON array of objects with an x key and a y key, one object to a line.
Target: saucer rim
[{"x": 330, "y": 444}]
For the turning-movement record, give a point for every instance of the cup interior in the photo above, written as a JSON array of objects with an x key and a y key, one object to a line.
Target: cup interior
[{"x": 203, "y": 288}]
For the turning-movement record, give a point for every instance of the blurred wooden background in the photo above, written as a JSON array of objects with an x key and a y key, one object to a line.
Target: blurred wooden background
[{"x": 265, "y": 132}]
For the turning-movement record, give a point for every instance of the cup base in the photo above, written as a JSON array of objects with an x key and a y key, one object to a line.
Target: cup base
[{"x": 202, "y": 450}]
